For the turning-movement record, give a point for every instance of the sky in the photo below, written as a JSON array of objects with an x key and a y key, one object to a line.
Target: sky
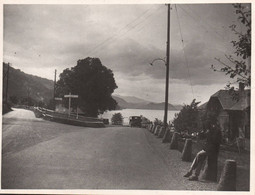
[{"x": 126, "y": 38}]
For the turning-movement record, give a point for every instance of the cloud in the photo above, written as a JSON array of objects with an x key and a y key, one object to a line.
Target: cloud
[
  {"x": 126, "y": 38},
  {"x": 180, "y": 92},
  {"x": 134, "y": 59}
]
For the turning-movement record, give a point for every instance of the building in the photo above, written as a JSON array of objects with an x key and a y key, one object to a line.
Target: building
[{"x": 232, "y": 110}]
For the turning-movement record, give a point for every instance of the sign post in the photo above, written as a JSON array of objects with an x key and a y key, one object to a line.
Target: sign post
[
  {"x": 56, "y": 103},
  {"x": 70, "y": 96},
  {"x": 58, "y": 99}
]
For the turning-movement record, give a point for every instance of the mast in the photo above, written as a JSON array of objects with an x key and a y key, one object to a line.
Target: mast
[
  {"x": 54, "y": 89},
  {"x": 167, "y": 65}
]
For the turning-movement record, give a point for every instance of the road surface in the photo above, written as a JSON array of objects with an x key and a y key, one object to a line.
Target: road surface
[{"x": 38, "y": 154}]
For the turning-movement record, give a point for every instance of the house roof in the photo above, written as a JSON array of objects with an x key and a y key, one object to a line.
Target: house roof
[
  {"x": 203, "y": 106},
  {"x": 228, "y": 102}
]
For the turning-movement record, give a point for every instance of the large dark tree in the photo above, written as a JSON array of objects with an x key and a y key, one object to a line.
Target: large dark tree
[{"x": 93, "y": 82}]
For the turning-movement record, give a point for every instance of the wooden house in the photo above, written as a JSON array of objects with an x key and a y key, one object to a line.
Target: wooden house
[{"x": 232, "y": 111}]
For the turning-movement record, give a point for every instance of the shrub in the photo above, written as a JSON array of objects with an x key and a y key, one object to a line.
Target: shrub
[
  {"x": 158, "y": 122},
  {"x": 117, "y": 119},
  {"x": 187, "y": 119}
]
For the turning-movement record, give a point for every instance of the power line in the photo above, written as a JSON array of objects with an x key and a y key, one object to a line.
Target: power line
[
  {"x": 201, "y": 24},
  {"x": 206, "y": 30},
  {"x": 186, "y": 60},
  {"x": 138, "y": 30},
  {"x": 119, "y": 31},
  {"x": 133, "y": 27},
  {"x": 128, "y": 30},
  {"x": 202, "y": 21}
]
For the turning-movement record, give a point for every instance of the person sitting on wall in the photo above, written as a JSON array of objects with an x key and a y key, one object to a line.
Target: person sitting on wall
[{"x": 212, "y": 145}]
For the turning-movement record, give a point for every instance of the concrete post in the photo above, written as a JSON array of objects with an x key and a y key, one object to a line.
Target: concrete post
[
  {"x": 228, "y": 177},
  {"x": 162, "y": 132},
  {"x": 150, "y": 126},
  {"x": 187, "y": 150},
  {"x": 167, "y": 136},
  {"x": 174, "y": 141},
  {"x": 154, "y": 128},
  {"x": 155, "y": 131}
]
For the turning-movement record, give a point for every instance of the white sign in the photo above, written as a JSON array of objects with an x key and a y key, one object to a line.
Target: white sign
[
  {"x": 56, "y": 98},
  {"x": 71, "y": 96}
]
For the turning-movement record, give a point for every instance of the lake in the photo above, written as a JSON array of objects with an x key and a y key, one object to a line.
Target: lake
[{"x": 150, "y": 114}]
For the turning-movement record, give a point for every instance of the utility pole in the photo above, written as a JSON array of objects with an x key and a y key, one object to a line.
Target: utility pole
[
  {"x": 54, "y": 91},
  {"x": 7, "y": 83},
  {"x": 28, "y": 95},
  {"x": 167, "y": 65},
  {"x": 69, "y": 107}
]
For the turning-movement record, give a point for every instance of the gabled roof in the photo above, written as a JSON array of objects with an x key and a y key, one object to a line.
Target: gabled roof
[
  {"x": 228, "y": 102},
  {"x": 243, "y": 103},
  {"x": 203, "y": 106}
]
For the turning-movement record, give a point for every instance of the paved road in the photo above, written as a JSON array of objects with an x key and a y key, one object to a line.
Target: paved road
[{"x": 38, "y": 154}]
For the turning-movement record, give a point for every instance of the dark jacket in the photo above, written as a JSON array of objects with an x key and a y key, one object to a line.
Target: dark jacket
[{"x": 213, "y": 141}]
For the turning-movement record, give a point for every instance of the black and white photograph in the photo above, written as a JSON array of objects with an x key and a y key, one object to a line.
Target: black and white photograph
[{"x": 124, "y": 96}]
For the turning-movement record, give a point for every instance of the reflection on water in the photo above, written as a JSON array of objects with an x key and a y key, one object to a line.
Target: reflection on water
[{"x": 150, "y": 114}]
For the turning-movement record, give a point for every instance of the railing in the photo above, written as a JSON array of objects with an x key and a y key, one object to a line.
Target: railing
[{"x": 64, "y": 115}]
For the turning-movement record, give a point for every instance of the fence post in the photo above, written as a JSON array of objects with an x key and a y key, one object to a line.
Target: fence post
[
  {"x": 174, "y": 141},
  {"x": 167, "y": 136},
  {"x": 228, "y": 177},
  {"x": 162, "y": 132},
  {"x": 187, "y": 150},
  {"x": 156, "y": 130}
]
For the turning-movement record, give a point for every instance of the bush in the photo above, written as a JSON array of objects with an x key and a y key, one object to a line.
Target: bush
[
  {"x": 158, "y": 122},
  {"x": 186, "y": 121},
  {"x": 6, "y": 107},
  {"x": 117, "y": 119}
]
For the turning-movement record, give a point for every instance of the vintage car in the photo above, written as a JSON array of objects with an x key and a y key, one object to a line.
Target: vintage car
[{"x": 135, "y": 121}]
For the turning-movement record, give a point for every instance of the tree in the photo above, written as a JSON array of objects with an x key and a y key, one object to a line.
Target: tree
[
  {"x": 28, "y": 101},
  {"x": 237, "y": 66},
  {"x": 50, "y": 104},
  {"x": 93, "y": 82},
  {"x": 14, "y": 99},
  {"x": 187, "y": 118},
  {"x": 41, "y": 104},
  {"x": 117, "y": 119},
  {"x": 158, "y": 122}
]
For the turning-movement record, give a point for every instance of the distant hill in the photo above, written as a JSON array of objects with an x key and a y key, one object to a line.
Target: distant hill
[
  {"x": 137, "y": 103},
  {"x": 132, "y": 99},
  {"x": 158, "y": 106},
  {"x": 121, "y": 103},
  {"x": 22, "y": 85},
  {"x": 178, "y": 106}
]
